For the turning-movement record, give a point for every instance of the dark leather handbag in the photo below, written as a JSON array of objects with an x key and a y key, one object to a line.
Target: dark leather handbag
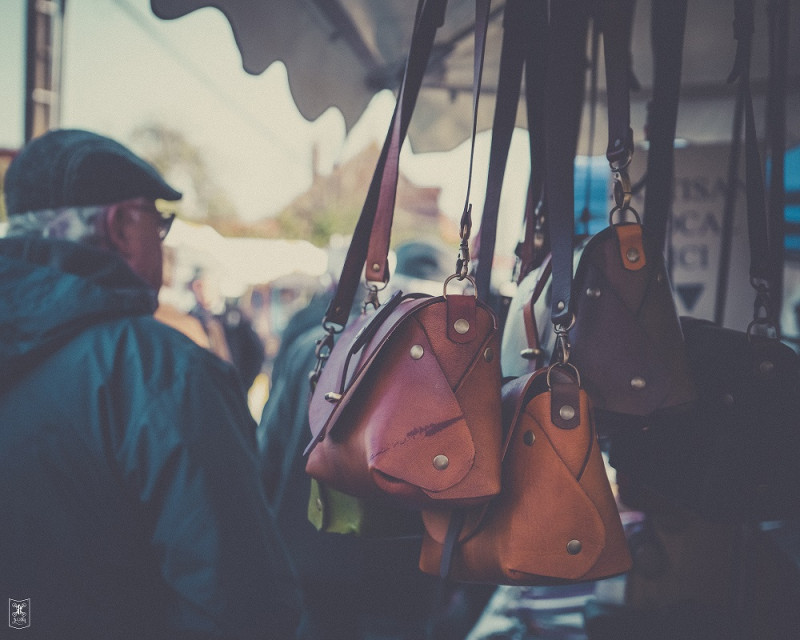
[
  {"x": 734, "y": 453},
  {"x": 748, "y": 421},
  {"x": 627, "y": 340},
  {"x": 407, "y": 404},
  {"x": 556, "y": 519}
]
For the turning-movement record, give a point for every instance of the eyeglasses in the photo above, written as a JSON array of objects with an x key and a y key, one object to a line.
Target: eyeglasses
[
  {"x": 164, "y": 224},
  {"x": 163, "y": 220}
]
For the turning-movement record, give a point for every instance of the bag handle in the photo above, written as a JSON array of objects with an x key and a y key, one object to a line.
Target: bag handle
[
  {"x": 524, "y": 42},
  {"x": 429, "y": 17},
  {"x": 762, "y": 270},
  {"x": 465, "y": 226},
  {"x": 565, "y": 74},
  {"x": 667, "y": 28},
  {"x": 370, "y": 243},
  {"x": 776, "y": 140}
]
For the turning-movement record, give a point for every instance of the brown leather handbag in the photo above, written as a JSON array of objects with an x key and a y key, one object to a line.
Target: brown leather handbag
[
  {"x": 556, "y": 519},
  {"x": 407, "y": 404},
  {"x": 409, "y": 407}
]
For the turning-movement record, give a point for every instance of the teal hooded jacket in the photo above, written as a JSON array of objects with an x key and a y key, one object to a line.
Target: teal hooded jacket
[{"x": 130, "y": 499}]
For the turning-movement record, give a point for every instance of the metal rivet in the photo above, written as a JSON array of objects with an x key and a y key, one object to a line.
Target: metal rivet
[
  {"x": 574, "y": 547},
  {"x": 332, "y": 396},
  {"x": 632, "y": 254},
  {"x": 593, "y": 292},
  {"x": 376, "y": 267},
  {"x": 561, "y": 306},
  {"x": 638, "y": 383},
  {"x": 766, "y": 367},
  {"x": 488, "y": 355},
  {"x": 416, "y": 351},
  {"x": 567, "y": 412},
  {"x": 528, "y": 438},
  {"x": 319, "y": 504},
  {"x": 461, "y": 326},
  {"x": 441, "y": 462}
]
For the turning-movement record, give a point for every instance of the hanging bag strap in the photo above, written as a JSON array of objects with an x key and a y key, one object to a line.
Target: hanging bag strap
[
  {"x": 524, "y": 31},
  {"x": 776, "y": 139},
  {"x": 564, "y": 90},
  {"x": 379, "y": 203},
  {"x": 370, "y": 243},
  {"x": 667, "y": 28},
  {"x": 465, "y": 225},
  {"x": 762, "y": 276},
  {"x": 536, "y": 242}
]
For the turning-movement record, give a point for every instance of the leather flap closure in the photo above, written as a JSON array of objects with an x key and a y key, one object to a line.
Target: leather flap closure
[
  {"x": 425, "y": 438},
  {"x": 546, "y": 501},
  {"x": 355, "y": 350},
  {"x": 631, "y": 246},
  {"x": 565, "y": 411},
  {"x": 461, "y": 321}
]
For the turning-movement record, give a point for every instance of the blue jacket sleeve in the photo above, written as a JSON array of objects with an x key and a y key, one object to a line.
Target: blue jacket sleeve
[{"x": 189, "y": 456}]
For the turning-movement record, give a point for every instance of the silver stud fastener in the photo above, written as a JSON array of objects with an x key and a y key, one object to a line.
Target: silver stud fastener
[
  {"x": 567, "y": 412},
  {"x": 461, "y": 326},
  {"x": 638, "y": 383}
]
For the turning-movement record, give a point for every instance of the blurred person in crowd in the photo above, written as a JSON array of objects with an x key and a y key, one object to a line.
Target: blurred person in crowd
[
  {"x": 354, "y": 587},
  {"x": 229, "y": 331},
  {"x": 129, "y": 488},
  {"x": 170, "y": 313},
  {"x": 187, "y": 324}
]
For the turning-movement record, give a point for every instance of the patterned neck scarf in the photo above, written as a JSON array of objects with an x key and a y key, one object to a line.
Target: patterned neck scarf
[{"x": 76, "y": 224}]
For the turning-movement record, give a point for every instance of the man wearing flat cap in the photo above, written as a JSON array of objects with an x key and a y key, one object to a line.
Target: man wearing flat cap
[{"x": 130, "y": 499}]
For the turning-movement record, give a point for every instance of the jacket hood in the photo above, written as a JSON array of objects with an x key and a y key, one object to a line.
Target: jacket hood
[{"x": 50, "y": 290}]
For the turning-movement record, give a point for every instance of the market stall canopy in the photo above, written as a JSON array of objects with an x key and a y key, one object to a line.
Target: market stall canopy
[{"x": 339, "y": 53}]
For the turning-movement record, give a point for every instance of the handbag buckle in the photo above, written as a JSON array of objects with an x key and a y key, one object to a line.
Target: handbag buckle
[{"x": 322, "y": 351}]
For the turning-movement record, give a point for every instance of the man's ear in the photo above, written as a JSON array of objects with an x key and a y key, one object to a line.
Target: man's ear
[{"x": 118, "y": 228}]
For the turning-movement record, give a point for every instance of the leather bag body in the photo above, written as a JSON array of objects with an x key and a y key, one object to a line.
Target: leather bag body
[
  {"x": 408, "y": 404},
  {"x": 627, "y": 340},
  {"x": 556, "y": 519},
  {"x": 734, "y": 453}
]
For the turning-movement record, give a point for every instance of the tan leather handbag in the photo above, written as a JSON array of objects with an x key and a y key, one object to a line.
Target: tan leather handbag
[{"x": 556, "y": 519}]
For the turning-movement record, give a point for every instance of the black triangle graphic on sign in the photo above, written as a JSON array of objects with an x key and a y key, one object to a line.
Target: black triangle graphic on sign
[{"x": 689, "y": 294}]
